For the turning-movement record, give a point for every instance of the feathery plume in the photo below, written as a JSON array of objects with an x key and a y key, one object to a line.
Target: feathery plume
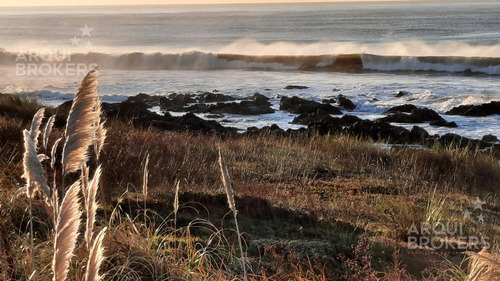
[
  {"x": 176, "y": 203},
  {"x": 80, "y": 126},
  {"x": 35, "y": 125},
  {"x": 145, "y": 176},
  {"x": 230, "y": 201},
  {"x": 483, "y": 266},
  {"x": 53, "y": 153},
  {"x": 66, "y": 232},
  {"x": 33, "y": 171},
  {"x": 101, "y": 131},
  {"x": 91, "y": 205},
  {"x": 96, "y": 257},
  {"x": 47, "y": 130},
  {"x": 176, "y": 198}
]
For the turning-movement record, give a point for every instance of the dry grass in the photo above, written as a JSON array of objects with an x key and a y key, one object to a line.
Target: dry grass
[{"x": 302, "y": 202}]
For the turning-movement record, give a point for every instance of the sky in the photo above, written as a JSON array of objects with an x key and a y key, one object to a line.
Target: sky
[{"x": 143, "y": 2}]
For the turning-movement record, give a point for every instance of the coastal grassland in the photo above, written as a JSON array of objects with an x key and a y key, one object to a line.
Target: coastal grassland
[{"x": 311, "y": 207}]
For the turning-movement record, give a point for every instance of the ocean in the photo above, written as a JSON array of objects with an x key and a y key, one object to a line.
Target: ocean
[{"x": 444, "y": 54}]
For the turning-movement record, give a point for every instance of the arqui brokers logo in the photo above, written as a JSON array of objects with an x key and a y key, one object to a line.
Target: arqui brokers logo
[
  {"x": 451, "y": 237},
  {"x": 54, "y": 63}
]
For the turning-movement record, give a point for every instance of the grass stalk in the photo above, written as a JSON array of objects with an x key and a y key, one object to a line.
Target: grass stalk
[{"x": 232, "y": 205}]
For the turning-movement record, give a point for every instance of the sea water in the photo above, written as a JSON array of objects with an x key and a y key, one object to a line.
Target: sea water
[{"x": 444, "y": 54}]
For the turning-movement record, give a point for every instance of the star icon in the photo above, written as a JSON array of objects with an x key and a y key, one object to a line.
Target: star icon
[
  {"x": 480, "y": 218},
  {"x": 478, "y": 204},
  {"x": 88, "y": 44},
  {"x": 467, "y": 214},
  {"x": 74, "y": 41},
  {"x": 86, "y": 31}
]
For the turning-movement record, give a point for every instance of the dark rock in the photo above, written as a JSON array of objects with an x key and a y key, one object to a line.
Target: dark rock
[
  {"x": 454, "y": 139},
  {"x": 211, "y": 97},
  {"x": 418, "y": 135},
  {"x": 401, "y": 108},
  {"x": 418, "y": 115},
  {"x": 291, "y": 87},
  {"x": 484, "y": 109},
  {"x": 329, "y": 101},
  {"x": 184, "y": 98},
  {"x": 425, "y": 114},
  {"x": 321, "y": 116},
  {"x": 323, "y": 123},
  {"x": 175, "y": 102},
  {"x": 299, "y": 106},
  {"x": 137, "y": 112},
  {"x": 215, "y": 115},
  {"x": 243, "y": 108},
  {"x": 260, "y": 99},
  {"x": 443, "y": 123},
  {"x": 144, "y": 98},
  {"x": 401, "y": 93},
  {"x": 490, "y": 138},
  {"x": 274, "y": 129},
  {"x": 379, "y": 130},
  {"x": 346, "y": 103}
]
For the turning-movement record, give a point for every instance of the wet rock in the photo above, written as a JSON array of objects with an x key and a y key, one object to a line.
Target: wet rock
[
  {"x": 346, "y": 103},
  {"x": 211, "y": 97},
  {"x": 490, "y": 138},
  {"x": 443, "y": 123},
  {"x": 298, "y": 105},
  {"x": 379, "y": 130},
  {"x": 401, "y": 94},
  {"x": 425, "y": 114},
  {"x": 291, "y": 87},
  {"x": 329, "y": 101},
  {"x": 260, "y": 99},
  {"x": 401, "y": 108},
  {"x": 215, "y": 115},
  {"x": 418, "y": 115},
  {"x": 484, "y": 109}
]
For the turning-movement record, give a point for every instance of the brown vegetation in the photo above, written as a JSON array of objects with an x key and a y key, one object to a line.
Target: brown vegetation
[{"x": 309, "y": 207}]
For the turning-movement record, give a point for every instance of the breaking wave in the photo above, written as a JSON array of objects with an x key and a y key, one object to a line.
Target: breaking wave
[{"x": 351, "y": 63}]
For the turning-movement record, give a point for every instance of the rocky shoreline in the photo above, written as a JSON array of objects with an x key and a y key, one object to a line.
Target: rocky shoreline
[{"x": 316, "y": 117}]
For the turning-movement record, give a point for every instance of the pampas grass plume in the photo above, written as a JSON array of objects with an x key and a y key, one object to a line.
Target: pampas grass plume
[
  {"x": 33, "y": 171},
  {"x": 96, "y": 257},
  {"x": 47, "y": 130},
  {"x": 91, "y": 205},
  {"x": 81, "y": 124},
  {"x": 66, "y": 232},
  {"x": 35, "y": 125}
]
